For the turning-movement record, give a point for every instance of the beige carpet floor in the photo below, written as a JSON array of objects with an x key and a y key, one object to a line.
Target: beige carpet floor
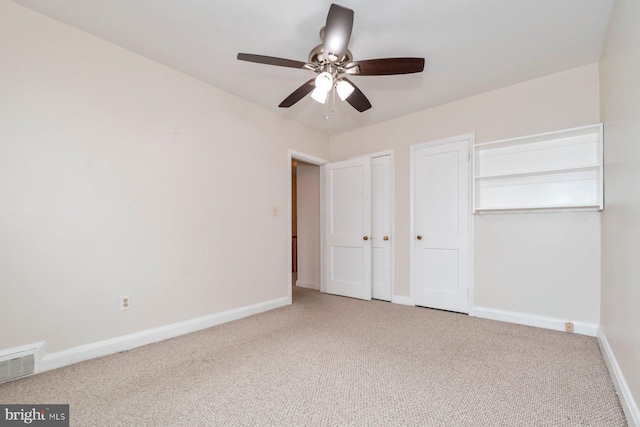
[{"x": 333, "y": 361}]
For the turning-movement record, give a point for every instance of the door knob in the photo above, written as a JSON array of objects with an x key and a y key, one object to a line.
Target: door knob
[
  {"x": 419, "y": 237},
  {"x": 365, "y": 238},
  {"x": 385, "y": 238}
]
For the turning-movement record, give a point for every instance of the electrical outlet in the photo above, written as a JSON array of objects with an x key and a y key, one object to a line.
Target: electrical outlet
[
  {"x": 125, "y": 302},
  {"x": 568, "y": 326}
]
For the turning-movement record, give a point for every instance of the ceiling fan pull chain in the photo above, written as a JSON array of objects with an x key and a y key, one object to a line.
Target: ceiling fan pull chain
[
  {"x": 333, "y": 102},
  {"x": 326, "y": 107}
]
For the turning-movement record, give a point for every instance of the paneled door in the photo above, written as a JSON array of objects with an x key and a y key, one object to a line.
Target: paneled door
[
  {"x": 441, "y": 226},
  {"x": 381, "y": 227},
  {"x": 348, "y": 228}
]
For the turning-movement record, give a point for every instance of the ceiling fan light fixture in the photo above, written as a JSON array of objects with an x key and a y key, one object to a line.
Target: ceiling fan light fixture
[
  {"x": 324, "y": 82},
  {"x": 319, "y": 95},
  {"x": 344, "y": 89}
]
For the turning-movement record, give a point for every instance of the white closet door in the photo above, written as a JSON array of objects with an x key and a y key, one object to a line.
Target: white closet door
[
  {"x": 348, "y": 228},
  {"x": 381, "y": 227},
  {"x": 441, "y": 225}
]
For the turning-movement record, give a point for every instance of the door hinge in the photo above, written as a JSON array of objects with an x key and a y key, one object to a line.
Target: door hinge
[{"x": 468, "y": 156}]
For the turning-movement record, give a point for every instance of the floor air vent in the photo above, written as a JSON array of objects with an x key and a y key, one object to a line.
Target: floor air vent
[{"x": 16, "y": 365}]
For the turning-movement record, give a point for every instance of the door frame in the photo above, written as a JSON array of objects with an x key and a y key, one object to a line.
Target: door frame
[
  {"x": 320, "y": 162},
  {"x": 392, "y": 195},
  {"x": 470, "y": 138}
]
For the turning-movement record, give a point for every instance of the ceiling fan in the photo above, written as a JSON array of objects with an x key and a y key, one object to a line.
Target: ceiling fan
[{"x": 331, "y": 60}]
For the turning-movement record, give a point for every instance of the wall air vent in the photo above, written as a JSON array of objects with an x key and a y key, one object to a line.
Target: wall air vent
[{"x": 17, "y": 365}]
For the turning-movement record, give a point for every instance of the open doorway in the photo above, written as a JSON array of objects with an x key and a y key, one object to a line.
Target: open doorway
[
  {"x": 305, "y": 224},
  {"x": 305, "y": 212}
]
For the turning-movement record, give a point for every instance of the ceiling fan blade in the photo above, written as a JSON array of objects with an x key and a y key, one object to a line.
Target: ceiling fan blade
[
  {"x": 271, "y": 60},
  {"x": 337, "y": 32},
  {"x": 298, "y": 94},
  {"x": 385, "y": 67},
  {"x": 357, "y": 98}
]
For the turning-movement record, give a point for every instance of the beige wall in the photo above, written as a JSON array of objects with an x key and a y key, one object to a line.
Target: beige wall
[
  {"x": 308, "y": 198},
  {"x": 620, "y": 91},
  {"x": 560, "y": 252},
  {"x": 121, "y": 176}
]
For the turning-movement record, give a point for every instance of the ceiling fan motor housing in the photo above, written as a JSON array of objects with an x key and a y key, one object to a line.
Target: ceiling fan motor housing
[{"x": 317, "y": 56}]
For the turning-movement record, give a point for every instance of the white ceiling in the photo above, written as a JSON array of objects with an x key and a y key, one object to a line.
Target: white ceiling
[{"x": 470, "y": 46}]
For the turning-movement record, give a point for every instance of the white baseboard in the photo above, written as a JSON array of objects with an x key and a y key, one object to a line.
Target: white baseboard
[
  {"x": 308, "y": 285},
  {"x": 554, "y": 323},
  {"x": 402, "y": 300},
  {"x": 629, "y": 406},
  {"x": 128, "y": 342}
]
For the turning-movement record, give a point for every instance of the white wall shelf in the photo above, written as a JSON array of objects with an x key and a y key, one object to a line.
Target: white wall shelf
[{"x": 556, "y": 170}]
